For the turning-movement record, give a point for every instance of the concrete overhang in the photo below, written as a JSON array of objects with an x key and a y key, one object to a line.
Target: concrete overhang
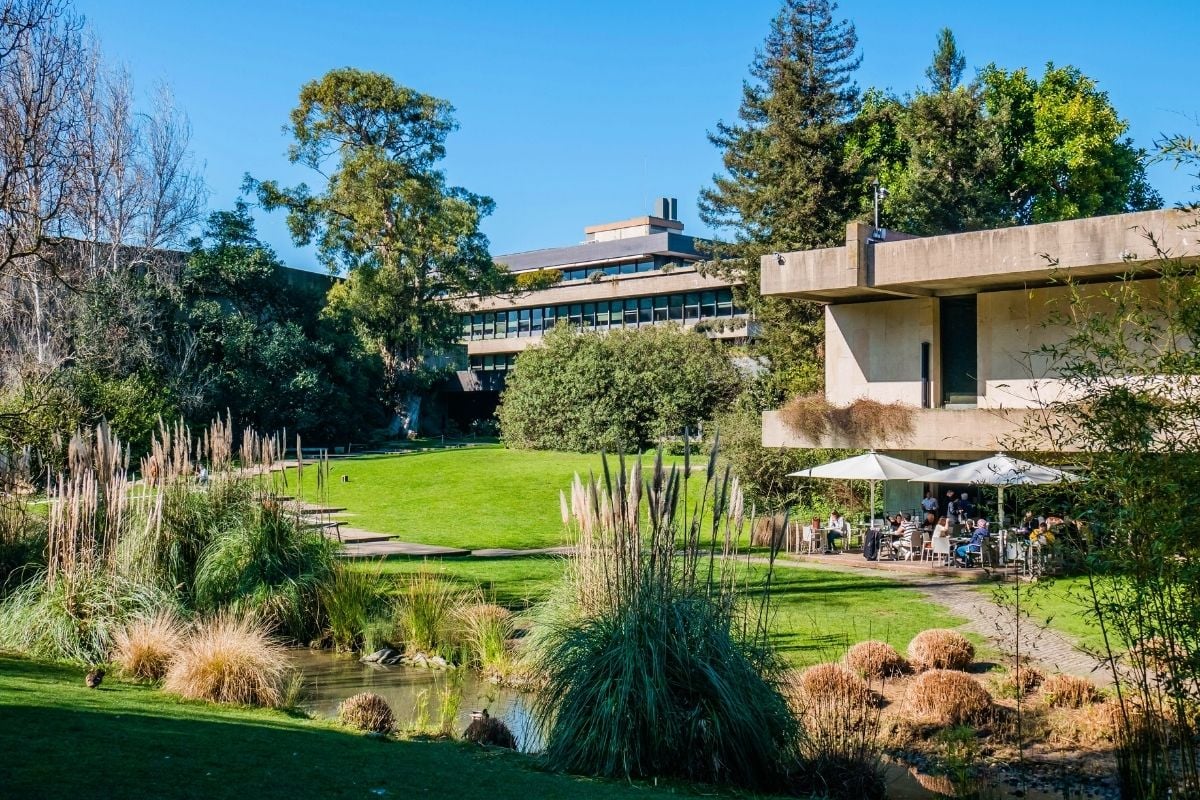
[
  {"x": 1026, "y": 256},
  {"x": 656, "y": 244}
]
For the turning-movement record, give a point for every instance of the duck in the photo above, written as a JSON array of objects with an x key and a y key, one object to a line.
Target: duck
[{"x": 93, "y": 678}]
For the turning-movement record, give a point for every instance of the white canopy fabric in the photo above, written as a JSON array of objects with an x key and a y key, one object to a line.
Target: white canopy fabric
[
  {"x": 872, "y": 466},
  {"x": 1000, "y": 470}
]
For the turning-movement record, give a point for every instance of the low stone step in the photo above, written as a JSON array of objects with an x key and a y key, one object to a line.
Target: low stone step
[
  {"x": 394, "y": 548},
  {"x": 506, "y": 552}
]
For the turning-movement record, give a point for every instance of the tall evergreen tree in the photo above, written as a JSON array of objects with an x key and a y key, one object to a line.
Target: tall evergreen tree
[{"x": 787, "y": 182}]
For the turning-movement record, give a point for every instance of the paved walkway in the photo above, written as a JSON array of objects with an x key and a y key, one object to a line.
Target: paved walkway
[{"x": 963, "y": 595}]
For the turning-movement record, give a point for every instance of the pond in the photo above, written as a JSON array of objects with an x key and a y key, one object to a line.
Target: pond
[{"x": 329, "y": 678}]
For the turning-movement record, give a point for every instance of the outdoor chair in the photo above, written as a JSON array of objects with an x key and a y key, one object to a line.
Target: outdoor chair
[
  {"x": 940, "y": 549},
  {"x": 810, "y": 538}
]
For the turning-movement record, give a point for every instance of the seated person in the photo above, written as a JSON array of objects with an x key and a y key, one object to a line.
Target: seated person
[
  {"x": 894, "y": 521},
  {"x": 965, "y": 556},
  {"x": 930, "y": 520},
  {"x": 942, "y": 529},
  {"x": 836, "y": 529},
  {"x": 910, "y": 534}
]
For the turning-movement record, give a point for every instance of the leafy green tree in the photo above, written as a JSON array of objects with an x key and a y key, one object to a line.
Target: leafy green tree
[
  {"x": 404, "y": 239},
  {"x": 1064, "y": 150},
  {"x": 627, "y": 389},
  {"x": 788, "y": 181}
]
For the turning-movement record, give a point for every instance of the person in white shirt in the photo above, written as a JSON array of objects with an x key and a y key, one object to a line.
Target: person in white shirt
[
  {"x": 835, "y": 530},
  {"x": 942, "y": 529},
  {"x": 929, "y": 504}
]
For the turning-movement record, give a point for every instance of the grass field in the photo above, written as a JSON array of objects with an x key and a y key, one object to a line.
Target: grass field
[
  {"x": 473, "y": 498},
  {"x": 1061, "y": 604},
  {"x": 60, "y": 739},
  {"x": 817, "y": 613}
]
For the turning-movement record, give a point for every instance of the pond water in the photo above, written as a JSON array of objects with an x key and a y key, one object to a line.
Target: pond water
[{"x": 329, "y": 678}]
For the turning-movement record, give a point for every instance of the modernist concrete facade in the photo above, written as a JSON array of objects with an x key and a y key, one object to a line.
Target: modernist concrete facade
[
  {"x": 947, "y": 324},
  {"x": 639, "y": 271}
]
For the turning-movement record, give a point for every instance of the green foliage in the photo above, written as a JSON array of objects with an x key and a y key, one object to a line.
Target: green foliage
[
  {"x": 22, "y": 543},
  {"x": 132, "y": 404},
  {"x": 654, "y": 668},
  {"x": 271, "y": 565},
  {"x": 426, "y": 607},
  {"x": 77, "y": 619},
  {"x": 404, "y": 238},
  {"x": 624, "y": 389},
  {"x": 354, "y": 602},
  {"x": 537, "y": 279}
]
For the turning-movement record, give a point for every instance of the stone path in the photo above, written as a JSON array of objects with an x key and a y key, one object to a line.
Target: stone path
[{"x": 963, "y": 596}]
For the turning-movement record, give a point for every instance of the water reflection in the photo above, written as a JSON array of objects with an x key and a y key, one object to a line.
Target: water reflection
[{"x": 329, "y": 678}]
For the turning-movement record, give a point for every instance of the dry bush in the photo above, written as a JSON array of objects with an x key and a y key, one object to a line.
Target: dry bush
[
  {"x": 490, "y": 731},
  {"x": 1069, "y": 691},
  {"x": 367, "y": 711},
  {"x": 830, "y": 680},
  {"x": 949, "y": 697},
  {"x": 145, "y": 647},
  {"x": 230, "y": 659},
  {"x": 842, "y": 731},
  {"x": 1019, "y": 682},
  {"x": 876, "y": 660},
  {"x": 870, "y": 420},
  {"x": 1092, "y": 725},
  {"x": 939, "y": 648},
  {"x": 807, "y": 415}
]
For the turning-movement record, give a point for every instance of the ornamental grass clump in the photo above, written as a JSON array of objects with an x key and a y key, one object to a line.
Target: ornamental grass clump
[
  {"x": 369, "y": 712},
  {"x": 939, "y": 648},
  {"x": 485, "y": 630},
  {"x": 1061, "y": 690},
  {"x": 878, "y": 660},
  {"x": 658, "y": 669},
  {"x": 354, "y": 604},
  {"x": 840, "y": 751},
  {"x": 426, "y": 608},
  {"x": 949, "y": 697},
  {"x": 145, "y": 647},
  {"x": 230, "y": 659}
]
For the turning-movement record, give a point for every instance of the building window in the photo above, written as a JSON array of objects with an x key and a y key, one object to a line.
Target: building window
[
  {"x": 631, "y": 313},
  {"x": 660, "y": 308},
  {"x": 645, "y": 266},
  {"x": 708, "y": 305},
  {"x": 628, "y": 269},
  {"x": 691, "y": 306},
  {"x": 537, "y": 321},
  {"x": 646, "y": 311},
  {"x": 523, "y": 322},
  {"x": 576, "y": 315},
  {"x": 675, "y": 305},
  {"x": 589, "y": 315},
  {"x": 602, "y": 315},
  {"x": 724, "y": 302}
]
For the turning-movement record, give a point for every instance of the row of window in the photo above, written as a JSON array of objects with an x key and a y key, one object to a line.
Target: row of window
[
  {"x": 632, "y": 268},
  {"x": 500, "y": 363},
  {"x": 635, "y": 311}
]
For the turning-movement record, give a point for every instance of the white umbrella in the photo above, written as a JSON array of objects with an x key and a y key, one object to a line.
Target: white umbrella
[
  {"x": 1000, "y": 471},
  {"x": 872, "y": 466}
]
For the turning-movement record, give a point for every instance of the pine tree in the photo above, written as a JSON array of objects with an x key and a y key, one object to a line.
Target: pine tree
[{"x": 788, "y": 184}]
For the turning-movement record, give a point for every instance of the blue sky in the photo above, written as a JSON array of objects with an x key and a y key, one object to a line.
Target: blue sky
[{"x": 577, "y": 113}]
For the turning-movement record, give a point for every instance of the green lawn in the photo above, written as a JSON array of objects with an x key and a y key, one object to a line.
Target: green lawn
[
  {"x": 818, "y": 613},
  {"x": 60, "y": 739},
  {"x": 472, "y": 498},
  {"x": 1060, "y": 604}
]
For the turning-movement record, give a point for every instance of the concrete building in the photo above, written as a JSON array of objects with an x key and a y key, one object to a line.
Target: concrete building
[
  {"x": 946, "y": 324},
  {"x": 635, "y": 272}
]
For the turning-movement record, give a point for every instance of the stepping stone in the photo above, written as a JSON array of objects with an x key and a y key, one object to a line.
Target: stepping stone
[
  {"x": 394, "y": 548},
  {"x": 357, "y": 536},
  {"x": 505, "y": 552}
]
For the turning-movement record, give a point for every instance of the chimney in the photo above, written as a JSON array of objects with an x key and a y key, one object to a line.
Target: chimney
[{"x": 662, "y": 208}]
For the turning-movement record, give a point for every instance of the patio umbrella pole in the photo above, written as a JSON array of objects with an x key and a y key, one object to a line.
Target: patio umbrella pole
[{"x": 873, "y": 503}]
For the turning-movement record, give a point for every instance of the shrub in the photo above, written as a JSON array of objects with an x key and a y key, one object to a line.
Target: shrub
[
  {"x": 486, "y": 630},
  {"x": 367, "y": 711},
  {"x": 230, "y": 659},
  {"x": 22, "y": 542},
  {"x": 949, "y": 697},
  {"x": 426, "y": 606},
  {"x": 828, "y": 680},
  {"x": 939, "y": 648},
  {"x": 876, "y": 660},
  {"x": 1061, "y": 690},
  {"x": 490, "y": 731},
  {"x": 145, "y": 647}
]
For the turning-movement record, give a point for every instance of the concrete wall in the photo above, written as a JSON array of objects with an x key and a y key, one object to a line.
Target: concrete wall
[
  {"x": 874, "y": 350},
  {"x": 938, "y": 432}
]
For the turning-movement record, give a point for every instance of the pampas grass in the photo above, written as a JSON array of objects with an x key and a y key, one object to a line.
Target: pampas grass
[
  {"x": 949, "y": 697},
  {"x": 145, "y": 647},
  {"x": 939, "y": 648},
  {"x": 230, "y": 659}
]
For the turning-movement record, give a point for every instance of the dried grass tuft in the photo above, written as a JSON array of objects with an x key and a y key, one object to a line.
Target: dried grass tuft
[
  {"x": 1092, "y": 725},
  {"x": 876, "y": 660},
  {"x": 939, "y": 648},
  {"x": 949, "y": 697},
  {"x": 367, "y": 711},
  {"x": 864, "y": 419},
  {"x": 1069, "y": 691},
  {"x": 146, "y": 647},
  {"x": 830, "y": 680},
  {"x": 230, "y": 659},
  {"x": 1019, "y": 682}
]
